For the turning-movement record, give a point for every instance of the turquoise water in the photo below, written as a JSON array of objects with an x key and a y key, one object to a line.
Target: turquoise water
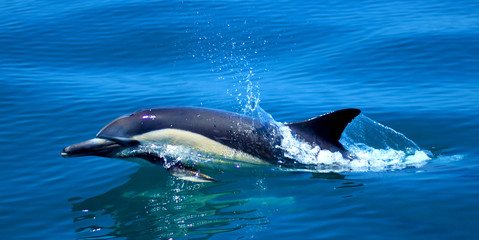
[{"x": 69, "y": 68}]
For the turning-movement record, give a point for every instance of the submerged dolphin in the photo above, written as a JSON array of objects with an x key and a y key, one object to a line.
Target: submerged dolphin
[{"x": 224, "y": 135}]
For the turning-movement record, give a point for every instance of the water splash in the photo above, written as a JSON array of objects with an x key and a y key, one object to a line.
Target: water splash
[
  {"x": 170, "y": 153},
  {"x": 379, "y": 147},
  {"x": 234, "y": 57},
  {"x": 374, "y": 147},
  {"x": 246, "y": 85}
]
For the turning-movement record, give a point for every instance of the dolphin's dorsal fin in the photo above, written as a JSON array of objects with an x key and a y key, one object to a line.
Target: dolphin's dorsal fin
[{"x": 329, "y": 126}]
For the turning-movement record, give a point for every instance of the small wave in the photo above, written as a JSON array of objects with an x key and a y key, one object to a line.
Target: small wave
[{"x": 384, "y": 151}]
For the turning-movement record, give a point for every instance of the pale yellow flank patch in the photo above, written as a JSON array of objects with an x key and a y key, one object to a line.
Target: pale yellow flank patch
[{"x": 197, "y": 142}]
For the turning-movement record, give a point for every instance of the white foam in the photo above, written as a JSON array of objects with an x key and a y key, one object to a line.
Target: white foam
[
  {"x": 172, "y": 154},
  {"x": 371, "y": 159}
]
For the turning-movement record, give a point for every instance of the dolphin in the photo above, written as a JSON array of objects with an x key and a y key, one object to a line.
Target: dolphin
[{"x": 225, "y": 136}]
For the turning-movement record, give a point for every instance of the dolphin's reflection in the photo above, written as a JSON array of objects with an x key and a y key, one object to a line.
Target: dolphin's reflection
[{"x": 154, "y": 205}]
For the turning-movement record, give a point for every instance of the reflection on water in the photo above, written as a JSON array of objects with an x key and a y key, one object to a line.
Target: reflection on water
[{"x": 154, "y": 205}]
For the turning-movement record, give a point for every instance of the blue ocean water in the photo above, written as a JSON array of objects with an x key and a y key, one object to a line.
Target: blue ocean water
[{"x": 69, "y": 68}]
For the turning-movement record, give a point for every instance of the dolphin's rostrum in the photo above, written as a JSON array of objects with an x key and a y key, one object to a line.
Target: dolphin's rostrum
[{"x": 219, "y": 133}]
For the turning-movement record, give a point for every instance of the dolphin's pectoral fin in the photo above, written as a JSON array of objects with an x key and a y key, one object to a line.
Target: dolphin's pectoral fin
[{"x": 189, "y": 174}]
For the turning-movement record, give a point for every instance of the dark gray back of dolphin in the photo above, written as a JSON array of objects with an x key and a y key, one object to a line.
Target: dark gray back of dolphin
[{"x": 231, "y": 129}]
